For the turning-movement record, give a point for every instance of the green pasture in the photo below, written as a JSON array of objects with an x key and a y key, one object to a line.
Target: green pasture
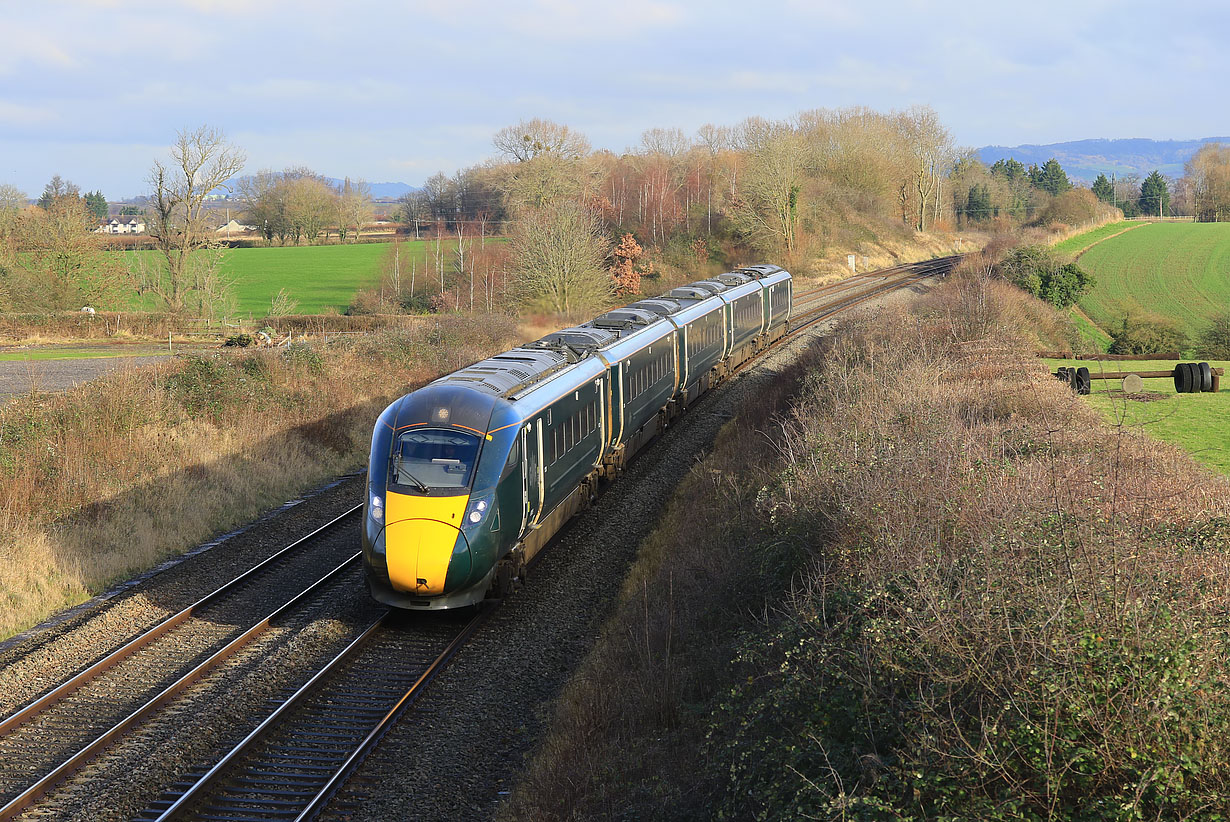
[
  {"x": 1198, "y": 423},
  {"x": 321, "y": 278},
  {"x": 1095, "y": 338},
  {"x": 77, "y": 353},
  {"x": 1080, "y": 242},
  {"x": 1180, "y": 271}
]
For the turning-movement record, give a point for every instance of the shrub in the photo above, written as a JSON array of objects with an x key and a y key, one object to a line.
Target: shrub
[
  {"x": 1040, "y": 272},
  {"x": 1147, "y": 336},
  {"x": 1215, "y": 339},
  {"x": 1011, "y": 613},
  {"x": 1073, "y": 208},
  {"x": 304, "y": 356}
]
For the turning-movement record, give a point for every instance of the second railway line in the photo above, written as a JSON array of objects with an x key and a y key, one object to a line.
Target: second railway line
[{"x": 810, "y": 307}]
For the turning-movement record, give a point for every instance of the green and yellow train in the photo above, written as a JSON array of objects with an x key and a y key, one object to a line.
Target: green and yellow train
[{"x": 470, "y": 475}]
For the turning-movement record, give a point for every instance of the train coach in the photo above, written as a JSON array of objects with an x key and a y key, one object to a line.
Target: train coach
[{"x": 470, "y": 475}]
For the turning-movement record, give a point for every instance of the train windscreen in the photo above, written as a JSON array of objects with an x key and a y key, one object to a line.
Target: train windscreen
[{"x": 429, "y": 459}]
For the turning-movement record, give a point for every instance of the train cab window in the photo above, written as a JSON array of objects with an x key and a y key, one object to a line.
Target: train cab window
[
  {"x": 431, "y": 459},
  {"x": 514, "y": 458}
]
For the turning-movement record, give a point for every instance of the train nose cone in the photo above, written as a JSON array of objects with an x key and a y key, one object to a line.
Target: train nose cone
[{"x": 419, "y": 553}]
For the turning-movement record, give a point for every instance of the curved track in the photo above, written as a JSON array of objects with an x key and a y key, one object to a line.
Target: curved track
[{"x": 297, "y": 758}]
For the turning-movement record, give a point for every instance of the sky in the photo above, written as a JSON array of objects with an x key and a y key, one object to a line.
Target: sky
[{"x": 95, "y": 90}]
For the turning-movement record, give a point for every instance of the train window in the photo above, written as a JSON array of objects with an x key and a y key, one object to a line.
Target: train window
[
  {"x": 425, "y": 459},
  {"x": 514, "y": 458}
]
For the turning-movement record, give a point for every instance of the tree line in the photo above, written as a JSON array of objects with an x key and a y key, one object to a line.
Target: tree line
[{"x": 578, "y": 225}]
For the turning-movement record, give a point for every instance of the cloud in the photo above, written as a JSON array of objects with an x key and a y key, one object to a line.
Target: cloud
[{"x": 17, "y": 116}]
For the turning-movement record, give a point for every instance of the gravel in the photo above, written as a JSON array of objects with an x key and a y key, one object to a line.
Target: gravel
[
  {"x": 33, "y": 662},
  {"x": 23, "y": 377}
]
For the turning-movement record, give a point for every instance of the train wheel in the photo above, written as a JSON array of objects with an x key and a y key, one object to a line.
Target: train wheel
[{"x": 503, "y": 580}]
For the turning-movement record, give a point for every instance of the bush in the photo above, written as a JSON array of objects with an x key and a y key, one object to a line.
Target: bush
[
  {"x": 1215, "y": 340},
  {"x": 1151, "y": 336},
  {"x": 1040, "y": 272},
  {"x": 1073, "y": 208},
  {"x": 1012, "y": 612},
  {"x": 304, "y": 356},
  {"x": 215, "y": 387}
]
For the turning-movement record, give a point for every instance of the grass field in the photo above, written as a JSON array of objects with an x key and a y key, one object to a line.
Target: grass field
[
  {"x": 1080, "y": 242},
  {"x": 1176, "y": 270},
  {"x": 79, "y": 353},
  {"x": 320, "y": 278},
  {"x": 1195, "y": 422}
]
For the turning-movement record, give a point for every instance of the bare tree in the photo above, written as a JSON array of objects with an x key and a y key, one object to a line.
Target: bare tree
[
  {"x": 354, "y": 207},
  {"x": 58, "y": 263},
  {"x": 1209, "y": 172},
  {"x": 311, "y": 204},
  {"x": 263, "y": 206},
  {"x": 558, "y": 254},
  {"x": 932, "y": 150},
  {"x": 671, "y": 142},
  {"x": 12, "y": 201},
  {"x": 767, "y": 207},
  {"x": 202, "y": 161},
  {"x": 532, "y": 138},
  {"x": 12, "y": 198}
]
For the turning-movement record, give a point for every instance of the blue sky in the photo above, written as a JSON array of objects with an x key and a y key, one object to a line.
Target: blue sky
[{"x": 94, "y": 90}]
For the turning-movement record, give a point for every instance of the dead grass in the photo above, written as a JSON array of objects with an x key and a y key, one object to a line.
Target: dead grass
[
  {"x": 115, "y": 475},
  {"x": 935, "y": 586}
]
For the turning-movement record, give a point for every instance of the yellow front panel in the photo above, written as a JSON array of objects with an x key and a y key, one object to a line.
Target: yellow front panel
[{"x": 419, "y": 540}]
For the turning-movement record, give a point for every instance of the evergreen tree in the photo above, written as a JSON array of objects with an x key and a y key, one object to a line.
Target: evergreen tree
[
  {"x": 55, "y": 189},
  {"x": 1010, "y": 169},
  {"x": 978, "y": 204},
  {"x": 1154, "y": 196},
  {"x": 1035, "y": 176},
  {"x": 1051, "y": 178},
  {"x": 97, "y": 204},
  {"x": 1103, "y": 190},
  {"x": 1015, "y": 177}
]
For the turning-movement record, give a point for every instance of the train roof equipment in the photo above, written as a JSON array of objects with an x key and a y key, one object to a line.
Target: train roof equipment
[
  {"x": 731, "y": 280},
  {"x": 661, "y": 306},
  {"x": 688, "y": 292},
  {"x": 759, "y": 271},
  {"x": 624, "y": 319}
]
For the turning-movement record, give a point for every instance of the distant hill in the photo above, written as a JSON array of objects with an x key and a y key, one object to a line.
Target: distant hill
[
  {"x": 1084, "y": 160},
  {"x": 382, "y": 191}
]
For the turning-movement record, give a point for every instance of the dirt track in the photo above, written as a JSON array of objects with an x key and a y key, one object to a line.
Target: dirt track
[{"x": 56, "y": 375}]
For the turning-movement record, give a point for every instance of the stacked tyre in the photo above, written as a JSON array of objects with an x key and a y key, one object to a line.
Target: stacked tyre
[
  {"x": 1193, "y": 377},
  {"x": 1076, "y": 378}
]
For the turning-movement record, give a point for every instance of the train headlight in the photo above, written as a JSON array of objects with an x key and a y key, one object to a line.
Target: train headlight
[
  {"x": 478, "y": 509},
  {"x": 376, "y": 509}
]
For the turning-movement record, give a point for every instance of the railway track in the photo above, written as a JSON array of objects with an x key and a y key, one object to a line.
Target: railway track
[
  {"x": 46, "y": 741},
  {"x": 290, "y": 764},
  {"x": 810, "y": 308}
]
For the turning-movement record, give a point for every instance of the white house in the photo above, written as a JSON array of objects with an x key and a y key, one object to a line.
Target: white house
[{"x": 127, "y": 224}]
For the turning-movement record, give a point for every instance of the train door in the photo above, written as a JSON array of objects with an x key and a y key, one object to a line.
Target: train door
[{"x": 531, "y": 474}]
